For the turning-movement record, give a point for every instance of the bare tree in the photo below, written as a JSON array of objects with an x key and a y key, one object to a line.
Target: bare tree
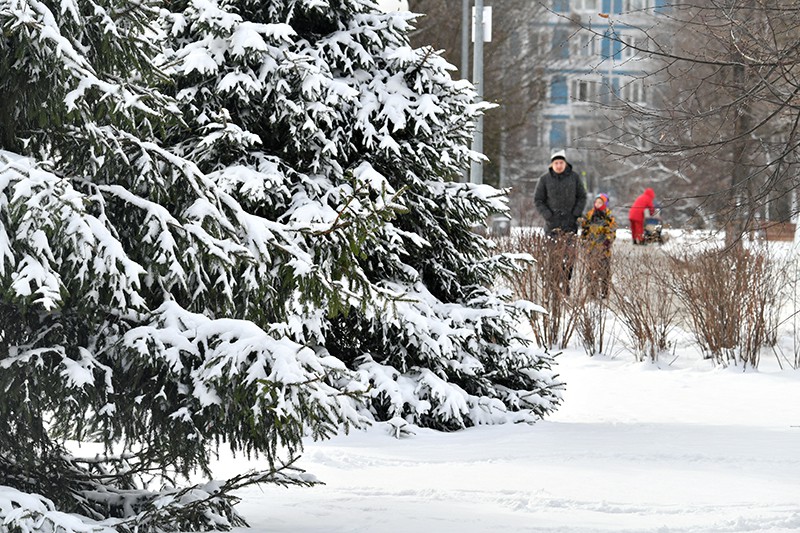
[{"x": 725, "y": 120}]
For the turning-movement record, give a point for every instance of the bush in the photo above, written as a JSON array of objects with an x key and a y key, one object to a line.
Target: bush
[
  {"x": 731, "y": 297},
  {"x": 591, "y": 287},
  {"x": 546, "y": 282},
  {"x": 642, "y": 299}
]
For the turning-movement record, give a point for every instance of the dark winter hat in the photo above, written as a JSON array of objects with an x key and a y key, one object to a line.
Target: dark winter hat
[{"x": 558, "y": 154}]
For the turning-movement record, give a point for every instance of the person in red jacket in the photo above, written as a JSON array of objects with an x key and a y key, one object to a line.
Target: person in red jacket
[{"x": 636, "y": 214}]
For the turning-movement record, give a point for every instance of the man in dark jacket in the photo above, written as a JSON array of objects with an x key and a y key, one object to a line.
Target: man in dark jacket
[{"x": 560, "y": 196}]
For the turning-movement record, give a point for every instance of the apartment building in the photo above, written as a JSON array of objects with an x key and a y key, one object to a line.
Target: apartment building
[
  {"x": 593, "y": 61},
  {"x": 587, "y": 54}
]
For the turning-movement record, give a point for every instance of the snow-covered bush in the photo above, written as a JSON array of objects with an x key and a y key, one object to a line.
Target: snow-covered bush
[{"x": 233, "y": 223}]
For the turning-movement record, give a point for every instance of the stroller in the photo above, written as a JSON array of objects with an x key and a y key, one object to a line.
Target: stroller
[{"x": 653, "y": 226}]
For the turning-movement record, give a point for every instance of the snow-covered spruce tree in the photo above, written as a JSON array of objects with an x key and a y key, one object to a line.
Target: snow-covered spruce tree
[
  {"x": 172, "y": 283},
  {"x": 130, "y": 290},
  {"x": 318, "y": 114}
]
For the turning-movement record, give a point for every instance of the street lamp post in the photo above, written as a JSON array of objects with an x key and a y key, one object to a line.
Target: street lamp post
[
  {"x": 476, "y": 174},
  {"x": 465, "y": 17}
]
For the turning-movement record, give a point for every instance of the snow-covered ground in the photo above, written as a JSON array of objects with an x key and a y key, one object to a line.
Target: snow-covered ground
[
  {"x": 680, "y": 445},
  {"x": 635, "y": 447}
]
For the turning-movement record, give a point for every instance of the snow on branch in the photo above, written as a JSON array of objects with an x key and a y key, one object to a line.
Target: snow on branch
[
  {"x": 55, "y": 244},
  {"x": 212, "y": 357},
  {"x": 31, "y": 513}
]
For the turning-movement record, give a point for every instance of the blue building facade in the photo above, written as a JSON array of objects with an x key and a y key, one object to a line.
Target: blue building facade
[{"x": 591, "y": 68}]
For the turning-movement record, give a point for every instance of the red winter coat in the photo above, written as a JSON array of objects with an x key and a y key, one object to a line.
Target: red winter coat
[{"x": 645, "y": 201}]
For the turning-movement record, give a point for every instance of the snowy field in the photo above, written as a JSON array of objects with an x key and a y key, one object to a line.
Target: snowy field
[
  {"x": 676, "y": 446},
  {"x": 633, "y": 448}
]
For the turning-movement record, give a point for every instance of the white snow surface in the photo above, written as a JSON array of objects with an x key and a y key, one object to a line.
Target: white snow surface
[{"x": 638, "y": 447}]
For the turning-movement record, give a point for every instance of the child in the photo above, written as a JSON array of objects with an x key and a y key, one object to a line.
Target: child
[{"x": 598, "y": 231}]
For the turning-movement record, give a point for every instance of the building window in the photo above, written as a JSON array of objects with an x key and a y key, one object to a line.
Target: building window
[
  {"x": 611, "y": 47},
  {"x": 634, "y": 91},
  {"x": 558, "y": 90},
  {"x": 561, "y": 6},
  {"x": 561, "y": 44},
  {"x": 629, "y": 48},
  {"x": 538, "y": 88},
  {"x": 615, "y": 87},
  {"x": 584, "y": 45},
  {"x": 611, "y": 6},
  {"x": 558, "y": 133},
  {"x": 609, "y": 90},
  {"x": 535, "y": 43},
  {"x": 579, "y": 136},
  {"x": 584, "y": 90}
]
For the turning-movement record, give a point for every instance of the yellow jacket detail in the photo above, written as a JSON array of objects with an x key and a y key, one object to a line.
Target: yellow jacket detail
[{"x": 598, "y": 230}]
